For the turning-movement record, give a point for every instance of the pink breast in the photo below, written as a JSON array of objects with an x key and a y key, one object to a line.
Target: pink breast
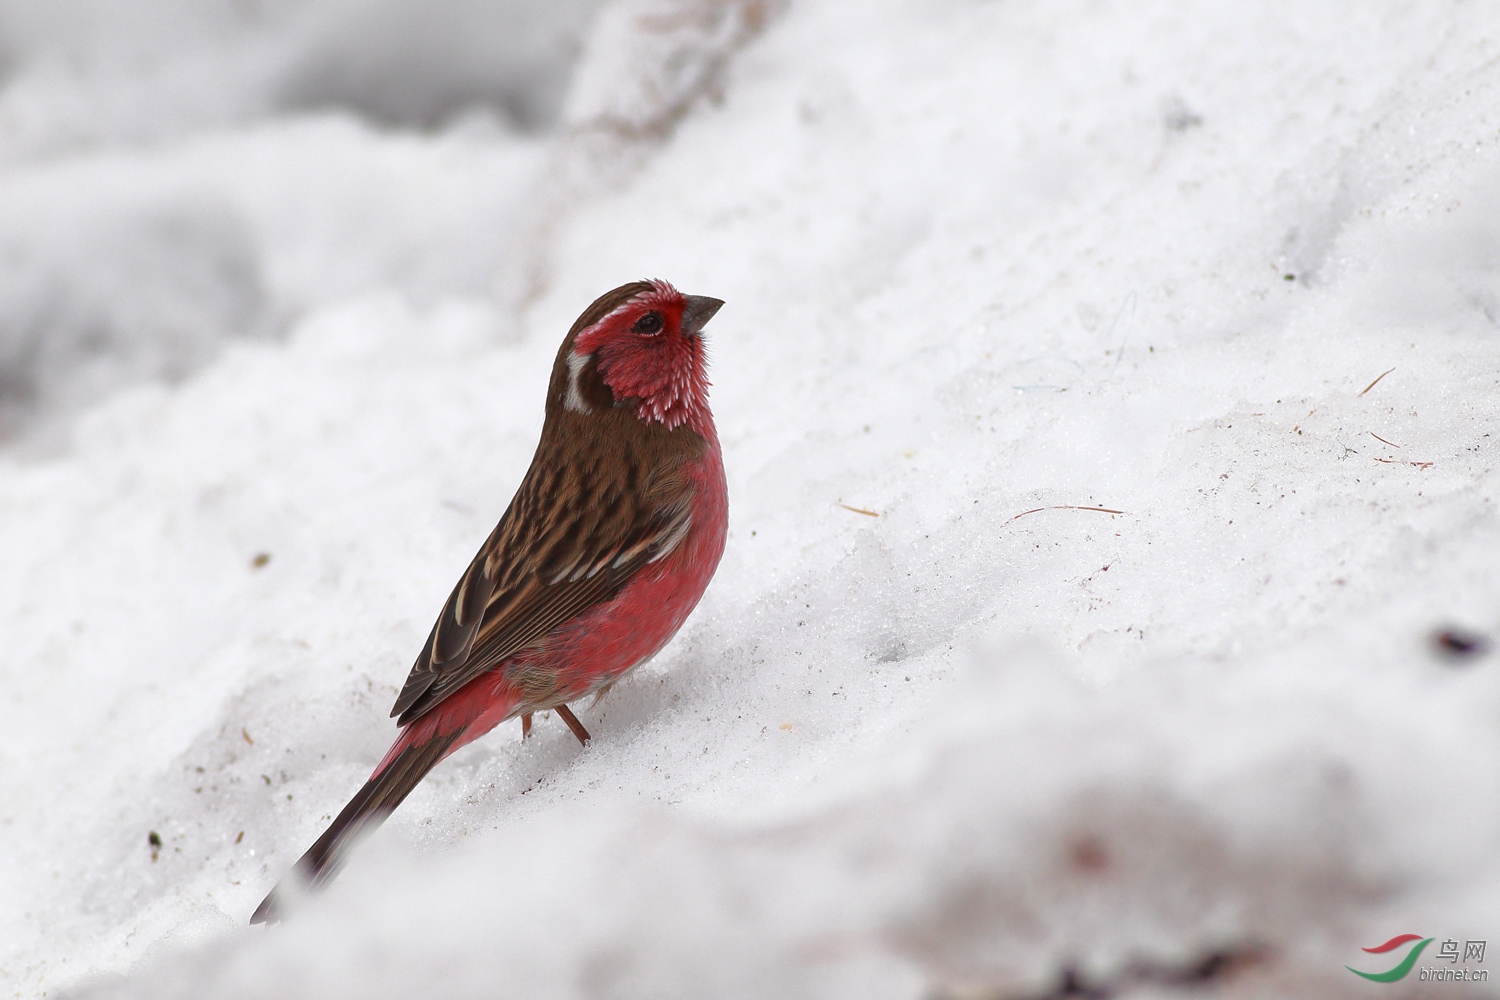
[
  {"x": 614, "y": 637},
  {"x": 601, "y": 645}
]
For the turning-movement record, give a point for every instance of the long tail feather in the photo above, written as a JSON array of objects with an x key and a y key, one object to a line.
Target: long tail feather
[{"x": 365, "y": 812}]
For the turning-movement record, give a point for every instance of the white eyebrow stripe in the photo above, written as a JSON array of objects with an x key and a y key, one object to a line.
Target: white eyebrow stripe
[{"x": 573, "y": 399}]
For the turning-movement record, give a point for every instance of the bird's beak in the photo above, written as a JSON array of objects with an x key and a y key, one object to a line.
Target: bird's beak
[{"x": 696, "y": 313}]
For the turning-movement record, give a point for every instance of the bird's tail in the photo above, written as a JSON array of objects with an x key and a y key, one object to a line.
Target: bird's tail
[{"x": 391, "y": 783}]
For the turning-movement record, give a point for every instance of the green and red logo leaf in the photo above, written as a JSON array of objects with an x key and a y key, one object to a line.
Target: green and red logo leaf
[{"x": 1401, "y": 968}]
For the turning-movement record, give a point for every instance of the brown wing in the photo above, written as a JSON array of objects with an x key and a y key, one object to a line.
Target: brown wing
[{"x": 581, "y": 525}]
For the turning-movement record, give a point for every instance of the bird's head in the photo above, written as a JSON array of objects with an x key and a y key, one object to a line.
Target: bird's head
[{"x": 639, "y": 345}]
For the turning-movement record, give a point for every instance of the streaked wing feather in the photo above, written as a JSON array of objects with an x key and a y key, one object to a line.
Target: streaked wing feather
[
  {"x": 550, "y": 606},
  {"x": 591, "y": 550}
]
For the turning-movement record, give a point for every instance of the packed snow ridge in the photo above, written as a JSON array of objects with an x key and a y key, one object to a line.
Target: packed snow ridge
[{"x": 1108, "y": 394}]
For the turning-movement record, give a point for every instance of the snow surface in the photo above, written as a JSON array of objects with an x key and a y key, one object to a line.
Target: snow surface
[{"x": 279, "y": 287}]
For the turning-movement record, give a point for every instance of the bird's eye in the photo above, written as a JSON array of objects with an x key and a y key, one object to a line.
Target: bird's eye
[{"x": 648, "y": 324}]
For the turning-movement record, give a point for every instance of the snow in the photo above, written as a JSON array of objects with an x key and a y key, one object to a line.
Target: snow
[{"x": 278, "y": 296}]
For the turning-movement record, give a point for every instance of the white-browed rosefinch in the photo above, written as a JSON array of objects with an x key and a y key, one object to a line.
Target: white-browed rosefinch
[{"x": 604, "y": 551}]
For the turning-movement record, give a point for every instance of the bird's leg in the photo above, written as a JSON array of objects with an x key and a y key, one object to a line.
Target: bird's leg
[
  {"x": 573, "y": 724},
  {"x": 525, "y": 724}
]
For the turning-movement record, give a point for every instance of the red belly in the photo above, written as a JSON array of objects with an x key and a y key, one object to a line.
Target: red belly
[{"x": 598, "y": 647}]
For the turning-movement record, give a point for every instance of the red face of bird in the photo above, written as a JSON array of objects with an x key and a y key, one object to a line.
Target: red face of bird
[{"x": 648, "y": 348}]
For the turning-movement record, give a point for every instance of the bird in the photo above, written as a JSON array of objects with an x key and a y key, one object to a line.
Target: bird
[{"x": 610, "y": 541}]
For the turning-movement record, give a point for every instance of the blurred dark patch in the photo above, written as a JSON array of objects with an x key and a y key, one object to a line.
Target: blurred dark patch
[
  {"x": 1088, "y": 855},
  {"x": 1178, "y": 117},
  {"x": 1210, "y": 970},
  {"x": 1457, "y": 644},
  {"x": 421, "y": 64},
  {"x": 119, "y": 293}
]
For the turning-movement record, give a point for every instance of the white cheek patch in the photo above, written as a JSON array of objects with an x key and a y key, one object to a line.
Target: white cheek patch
[{"x": 573, "y": 399}]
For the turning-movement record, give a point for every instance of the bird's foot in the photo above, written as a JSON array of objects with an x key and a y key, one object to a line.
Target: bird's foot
[
  {"x": 574, "y": 724},
  {"x": 525, "y": 725}
]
